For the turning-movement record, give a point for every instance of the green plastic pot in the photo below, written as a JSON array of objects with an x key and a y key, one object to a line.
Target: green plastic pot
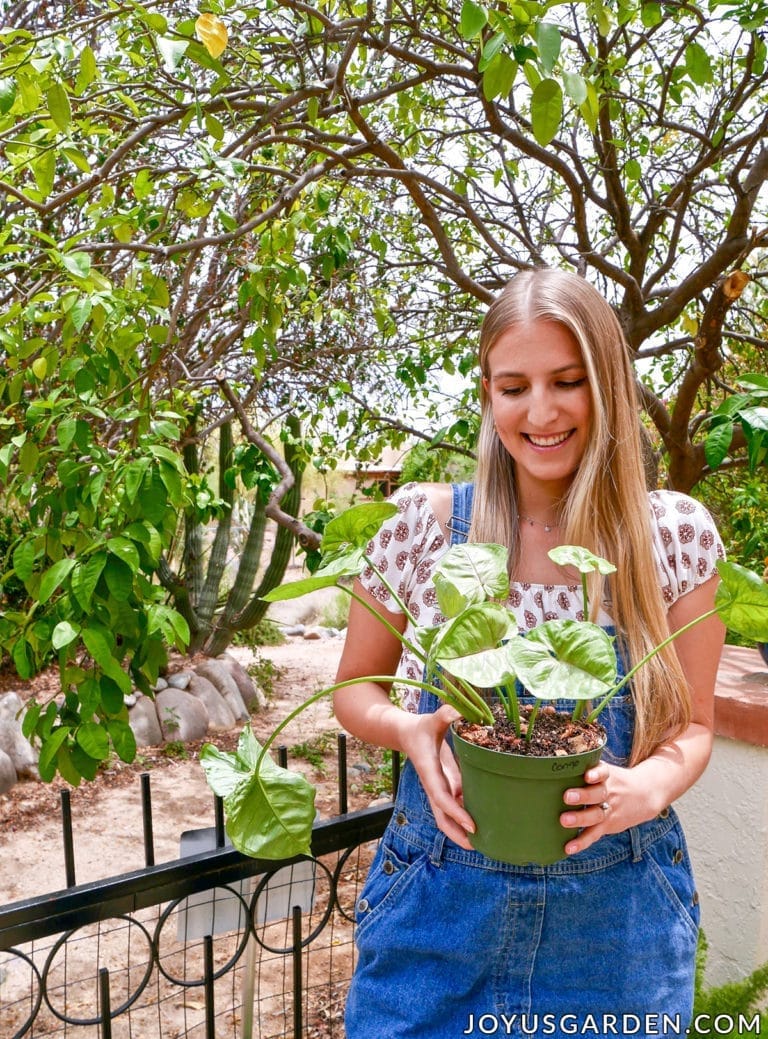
[{"x": 516, "y": 801}]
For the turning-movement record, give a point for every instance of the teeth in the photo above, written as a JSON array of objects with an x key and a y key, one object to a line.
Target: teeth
[{"x": 548, "y": 441}]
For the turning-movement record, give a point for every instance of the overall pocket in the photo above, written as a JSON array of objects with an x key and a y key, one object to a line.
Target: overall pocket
[{"x": 396, "y": 865}]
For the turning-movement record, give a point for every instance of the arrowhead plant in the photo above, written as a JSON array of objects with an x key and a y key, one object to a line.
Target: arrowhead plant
[{"x": 476, "y": 648}]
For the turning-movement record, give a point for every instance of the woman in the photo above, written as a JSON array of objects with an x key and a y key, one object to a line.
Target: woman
[{"x": 451, "y": 943}]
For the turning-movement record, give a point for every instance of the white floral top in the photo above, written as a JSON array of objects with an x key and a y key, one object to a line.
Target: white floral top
[{"x": 408, "y": 547}]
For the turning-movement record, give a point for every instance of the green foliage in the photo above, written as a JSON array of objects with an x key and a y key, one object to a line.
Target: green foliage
[
  {"x": 427, "y": 464},
  {"x": 266, "y": 633},
  {"x": 315, "y": 750},
  {"x": 740, "y": 1002},
  {"x": 335, "y": 614},
  {"x": 265, "y": 673}
]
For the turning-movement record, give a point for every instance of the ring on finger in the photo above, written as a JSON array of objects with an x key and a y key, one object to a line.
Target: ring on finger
[{"x": 604, "y": 806}]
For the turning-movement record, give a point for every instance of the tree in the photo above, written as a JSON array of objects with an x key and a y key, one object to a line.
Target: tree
[{"x": 311, "y": 205}]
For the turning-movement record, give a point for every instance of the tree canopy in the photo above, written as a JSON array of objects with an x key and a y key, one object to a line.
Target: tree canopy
[{"x": 311, "y": 204}]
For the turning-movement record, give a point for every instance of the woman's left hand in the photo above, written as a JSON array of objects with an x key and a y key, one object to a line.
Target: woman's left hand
[{"x": 609, "y": 803}]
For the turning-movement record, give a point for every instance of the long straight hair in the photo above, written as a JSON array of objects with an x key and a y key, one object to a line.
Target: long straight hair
[{"x": 606, "y": 509}]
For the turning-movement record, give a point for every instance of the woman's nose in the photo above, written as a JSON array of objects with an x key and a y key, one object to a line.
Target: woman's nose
[{"x": 542, "y": 408}]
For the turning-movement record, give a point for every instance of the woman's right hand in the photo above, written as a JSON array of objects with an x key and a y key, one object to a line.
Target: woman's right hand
[{"x": 423, "y": 742}]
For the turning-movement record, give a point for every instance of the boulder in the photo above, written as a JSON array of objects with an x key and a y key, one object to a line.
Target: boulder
[
  {"x": 253, "y": 697},
  {"x": 216, "y": 673},
  {"x": 7, "y": 773},
  {"x": 220, "y": 714},
  {"x": 142, "y": 718},
  {"x": 181, "y": 715},
  {"x": 13, "y": 742},
  {"x": 180, "y": 679}
]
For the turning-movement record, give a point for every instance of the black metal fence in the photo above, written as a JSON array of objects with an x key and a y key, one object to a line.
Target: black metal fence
[{"x": 212, "y": 944}]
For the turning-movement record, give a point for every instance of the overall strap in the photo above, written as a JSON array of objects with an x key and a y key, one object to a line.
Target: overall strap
[{"x": 458, "y": 524}]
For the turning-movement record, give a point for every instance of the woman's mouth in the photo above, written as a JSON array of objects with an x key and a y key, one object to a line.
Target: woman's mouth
[{"x": 551, "y": 441}]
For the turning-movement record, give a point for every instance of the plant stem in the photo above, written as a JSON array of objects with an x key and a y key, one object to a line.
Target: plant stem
[
  {"x": 471, "y": 715},
  {"x": 632, "y": 671},
  {"x": 532, "y": 720},
  {"x": 511, "y": 706},
  {"x": 585, "y": 596}
]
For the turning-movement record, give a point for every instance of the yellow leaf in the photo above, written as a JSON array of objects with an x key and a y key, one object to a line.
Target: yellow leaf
[
  {"x": 40, "y": 368},
  {"x": 212, "y": 33}
]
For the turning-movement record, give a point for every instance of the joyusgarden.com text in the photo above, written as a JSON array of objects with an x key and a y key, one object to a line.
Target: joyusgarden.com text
[{"x": 640, "y": 1025}]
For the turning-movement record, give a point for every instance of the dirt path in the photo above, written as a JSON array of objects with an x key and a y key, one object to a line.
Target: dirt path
[{"x": 106, "y": 814}]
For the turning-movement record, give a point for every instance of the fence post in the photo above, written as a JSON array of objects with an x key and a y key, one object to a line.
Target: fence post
[
  {"x": 66, "y": 832},
  {"x": 298, "y": 994},
  {"x": 146, "y": 815},
  {"x": 210, "y": 1016},
  {"x": 105, "y": 1003},
  {"x": 342, "y": 760}
]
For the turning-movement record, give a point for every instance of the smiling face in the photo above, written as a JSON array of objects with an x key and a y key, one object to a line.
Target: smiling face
[{"x": 542, "y": 408}]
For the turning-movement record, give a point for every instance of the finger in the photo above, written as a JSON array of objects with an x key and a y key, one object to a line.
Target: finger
[{"x": 451, "y": 771}]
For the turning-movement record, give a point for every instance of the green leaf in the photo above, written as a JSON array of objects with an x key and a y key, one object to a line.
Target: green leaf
[
  {"x": 499, "y": 77},
  {"x": 77, "y": 263},
  {"x": 575, "y": 87},
  {"x": 470, "y": 573},
  {"x": 588, "y": 672},
  {"x": 7, "y": 94},
  {"x": 651, "y": 14},
  {"x": 24, "y": 560},
  {"x": 546, "y": 110},
  {"x": 87, "y": 71},
  {"x": 270, "y": 813},
  {"x": 85, "y": 577},
  {"x": 172, "y": 51},
  {"x": 57, "y": 100},
  {"x": 21, "y": 654},
  {"x": 347, "y": 565},
  {"x": 99, "y": 647},
  {"x": 53, "y": 578},
  {"x": 122, "y": 738},
  {"x": 697, "y": 64},
  {"x": 549, "y": 42},
  {"x": 580, "y": 559},
  {"x": 473, "y": 19},
  {"x": 355, "y": 527},
  {"x": 741, "y": 601},
  {"x": 119, "y": 578},
  {"x": 480, "y": 626},
  {"x": 63, "y": 634},
  {"x": 47, "y": 761},
  {"x": 124, "y": 549},
  {"x": 718, "y": 443},
  {"x": 94, "y": 740}
]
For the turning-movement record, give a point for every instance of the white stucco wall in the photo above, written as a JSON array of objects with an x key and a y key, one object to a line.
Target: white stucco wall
[{"x": 725, "y": 816}]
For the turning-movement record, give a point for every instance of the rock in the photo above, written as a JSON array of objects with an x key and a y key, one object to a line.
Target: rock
[
  {"x": 219, "y": 675},
  {"x": 142, "y": 718},
  {"x": 160, "y": 684},
  {"x": 13, "y": 742},
  {"x": 294, "y": 629},
  {"x": 181, "y": 715},
  {"x": 130, "y": 699},
  {"x": 253, "y": 697},
  {"x": 180, "y": 680},
  {"x": 7, "y": 773},
  {"x": 314, "y": 633},
  {"x": 220, "y": 714}
]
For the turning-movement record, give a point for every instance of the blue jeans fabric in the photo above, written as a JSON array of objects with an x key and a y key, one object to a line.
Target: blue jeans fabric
[{"x": 451, "y": 943}]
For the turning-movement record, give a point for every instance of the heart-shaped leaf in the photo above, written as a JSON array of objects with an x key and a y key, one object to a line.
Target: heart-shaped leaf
[
  {"x": 471, "y": 573},
  {"x": 741, "y": 600},
  {"x": 580, "y": 559}
]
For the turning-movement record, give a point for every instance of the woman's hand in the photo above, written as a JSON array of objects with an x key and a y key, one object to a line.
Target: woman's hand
[
  {"x": 424, "y": 744},
  {"x": 611, "y": 801}
]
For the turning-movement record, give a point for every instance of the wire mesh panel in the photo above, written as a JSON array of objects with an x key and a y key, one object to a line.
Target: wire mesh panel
[{"x": 264, "y": 956}]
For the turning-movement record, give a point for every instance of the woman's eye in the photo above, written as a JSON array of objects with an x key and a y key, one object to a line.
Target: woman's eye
[
  {"x": 572, "y": 385},
  {"x": 511, "y": 391}
]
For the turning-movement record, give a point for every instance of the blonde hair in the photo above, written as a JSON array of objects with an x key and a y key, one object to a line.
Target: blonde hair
[{"x": 606, "y": 508}]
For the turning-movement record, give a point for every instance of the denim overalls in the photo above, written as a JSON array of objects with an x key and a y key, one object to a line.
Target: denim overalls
[{"x": 451, "y": 943}]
